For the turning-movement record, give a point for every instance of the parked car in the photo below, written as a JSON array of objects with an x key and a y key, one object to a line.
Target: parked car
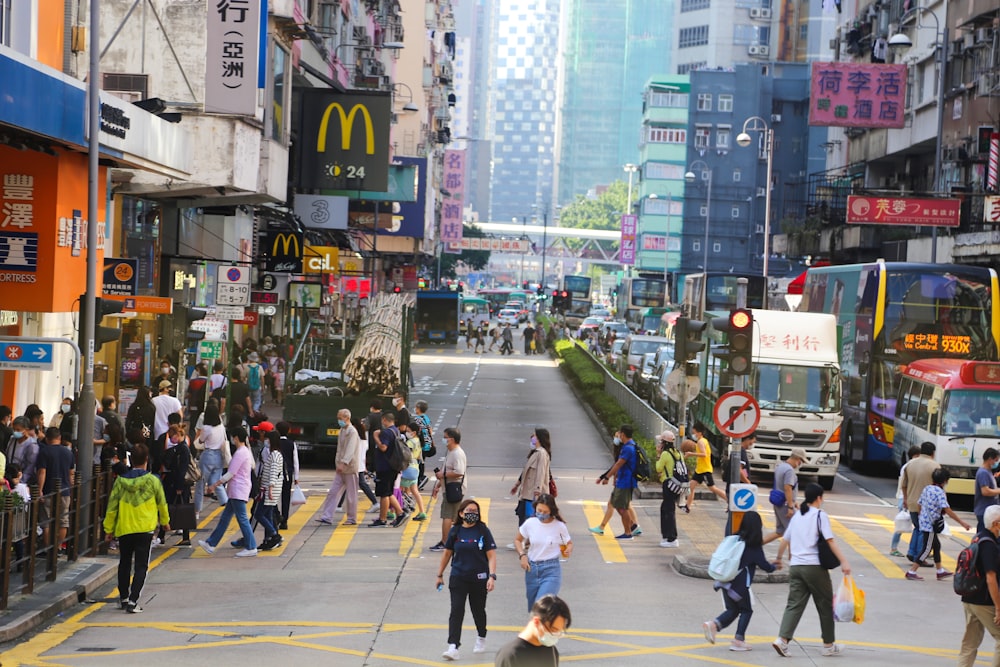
[
  {"x": 615, "y": 352},
  {"x": 642, "y": 381},
  {"x": 589, "y": 324},
  {"x": 658, "y": 387},
  {"x": 637, "y": 345},
  {"x": 509, "y": 316}
]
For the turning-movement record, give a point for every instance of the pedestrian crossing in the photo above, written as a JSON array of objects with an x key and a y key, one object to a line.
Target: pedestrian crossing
[{"x": 864, "y": 538}]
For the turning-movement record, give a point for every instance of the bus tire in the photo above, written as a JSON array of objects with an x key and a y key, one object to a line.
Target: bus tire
[
  {"x": 847, "y": 453},
  {"x": 827, "y": 482}
]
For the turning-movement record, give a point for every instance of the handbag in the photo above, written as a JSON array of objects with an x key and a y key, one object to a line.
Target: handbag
[
  {"x": 298, "y": 497},
  {"x": 182, "y": 517},
  {"x": 777, "y": 497},
  {"x": 453, "y": 491},
  {"x": 553, "y": 490},
  {"x": 193, "y": 473},
  {"x": 827, "y": 558}
]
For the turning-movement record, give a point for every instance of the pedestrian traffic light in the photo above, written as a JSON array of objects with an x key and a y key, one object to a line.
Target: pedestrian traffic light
[
  {"x": 738, "y": 351},
  {"x": 102, "y": 334},
  {"x": 688, "y": 343},
  {"x": 540, "y": 291}
]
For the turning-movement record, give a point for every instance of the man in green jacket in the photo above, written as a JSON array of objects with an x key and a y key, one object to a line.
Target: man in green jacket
[{"x": 136, "y": 508}]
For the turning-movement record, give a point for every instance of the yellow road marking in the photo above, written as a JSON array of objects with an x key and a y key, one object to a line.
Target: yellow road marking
[
  {"x": 611, "y": 550},
  {"x": 881, "y": 562},
  {"x": 343, "y": 534},
  {"x": 947, "y": 562},
  {"x": 297, "y": 522},
  {"x": 414, "y": 531}
]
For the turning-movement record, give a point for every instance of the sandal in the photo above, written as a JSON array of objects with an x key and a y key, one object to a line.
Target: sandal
[{"x": 687, "y": 510}]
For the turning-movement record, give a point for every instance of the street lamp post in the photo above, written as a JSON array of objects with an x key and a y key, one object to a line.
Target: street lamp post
[
  {"x": 629, "y": 169},
  {"x": 743, "y": 139},
  {"x": 900, "y": 40},
  {"x": 690, "y": 178}
]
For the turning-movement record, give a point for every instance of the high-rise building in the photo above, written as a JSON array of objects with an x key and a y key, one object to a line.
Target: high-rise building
[
  {"x": 610, "y": 52},
  {"x": 523, "y": 101}
]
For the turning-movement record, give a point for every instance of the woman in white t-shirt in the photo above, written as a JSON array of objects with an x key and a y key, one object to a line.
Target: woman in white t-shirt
[
  {"x": 540, "y": 543},
  {"x": 212, "y": 459}
]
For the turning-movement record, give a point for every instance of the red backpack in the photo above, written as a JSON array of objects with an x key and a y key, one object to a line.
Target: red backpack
[{"x": 969, "y": 578}]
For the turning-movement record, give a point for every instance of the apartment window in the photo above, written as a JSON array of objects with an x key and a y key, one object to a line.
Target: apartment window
[
  {"x": 277, "y": 110},
  {"x": 128, "y": 87},
  {"x": 725, "y": 102},
  {"x": 666, "y": 135},
  {"x": 704, "y": 101},
  {"x": 735, "y": 212},
  {"x": 751, "y": 34},
  {"x": 722, "y": 135},
  {"x": 661, "y": 171},
  {"x": 693, "y": 5},
  {"x": 687, "y": 68},
  {"x": 716, "y": 247},
  {"x": 696, "y": 246},
  {"x": 703, "y": 210},
  {"x": 737, "y": 175},
  {"x": 702, "y": 136},
  {"x": 668, "y": 100},
  {"x": 696, "y": 36},
  {"x": 5, "y": 20}
]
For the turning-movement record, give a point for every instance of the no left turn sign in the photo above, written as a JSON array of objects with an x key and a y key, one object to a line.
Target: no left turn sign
[{"x": 736, "y": 414}]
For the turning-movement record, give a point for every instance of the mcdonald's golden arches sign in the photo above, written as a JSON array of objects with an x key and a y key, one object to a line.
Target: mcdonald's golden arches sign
[
  {"x": 343, "y": 141},
  {"x": 283, "y": 251}
]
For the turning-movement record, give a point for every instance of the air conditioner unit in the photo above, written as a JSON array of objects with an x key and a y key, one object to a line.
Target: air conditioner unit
[
  {"x": 754, "y": 50},
  {"x": 765, "y": 12},
  {"x": 968, "y": 40},
  {"x": 372, "y": 67},
  {"x": 763, "y": 50},
  {"x": 755, "y": 12},
  {"x": 776, "y": 118},
  {"x": 983, "y": 35},
  {"x": 761, "y": 192},
  {"x": 984, "y": 85}
]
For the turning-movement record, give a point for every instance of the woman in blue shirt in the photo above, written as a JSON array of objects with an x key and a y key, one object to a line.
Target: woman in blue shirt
[{"x": 472, "y": 551}]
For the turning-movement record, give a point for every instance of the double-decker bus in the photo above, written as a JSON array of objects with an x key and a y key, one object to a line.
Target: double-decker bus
[
  {"x": 891, "y": 314},
  {"x": 577, "y": 289},
  {"x": 956, "y": 405},
  {"x": 717, "y": 292},
  {"x": 636, "y": 295}
]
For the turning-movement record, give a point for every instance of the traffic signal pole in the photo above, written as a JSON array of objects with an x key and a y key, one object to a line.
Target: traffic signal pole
[{"x": 739, "y": 384}]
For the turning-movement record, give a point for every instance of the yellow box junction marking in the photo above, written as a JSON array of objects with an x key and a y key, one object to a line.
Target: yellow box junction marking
[
  {"x": 611, "y": 550},
  {"x": 297, "y": 522},
  {"x": 344, "y": 534},
  {"x": 947, "y": 562}
]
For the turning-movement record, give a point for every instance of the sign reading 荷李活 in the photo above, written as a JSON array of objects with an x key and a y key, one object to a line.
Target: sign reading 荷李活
[{"x": 846, "y": 94}]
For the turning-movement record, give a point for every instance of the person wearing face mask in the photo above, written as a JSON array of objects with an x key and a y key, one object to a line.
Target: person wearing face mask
[
  {"x": 402, "y": 413},
  {"x": 23, "y": 450},
  {"x": 540, "y": 542},
  {"x": 345, "y": 479},
  {"x": 175, "y": 487},
  {"x": 472, "y": 551},
  {"x": 534, "y": 478},
  {"x": 535, "y": 646},
  {"x": 986, "y": 486}
]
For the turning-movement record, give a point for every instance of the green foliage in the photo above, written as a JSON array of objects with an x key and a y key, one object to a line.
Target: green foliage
[
  {"x": 604, "y": 212},
  {"x": 473, "y": 259}
]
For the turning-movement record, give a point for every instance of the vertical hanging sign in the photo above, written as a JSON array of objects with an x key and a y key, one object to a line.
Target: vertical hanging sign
[
  {"x": 454, "y": 201},
  {"x": 231, "y": 61},
  {"x": 626, "y": 248}
]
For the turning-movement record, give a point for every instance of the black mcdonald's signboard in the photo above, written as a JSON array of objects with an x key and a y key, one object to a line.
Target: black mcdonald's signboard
[
  {"x": 343, "y": 141},
  {"x": 282, "y": 251}
]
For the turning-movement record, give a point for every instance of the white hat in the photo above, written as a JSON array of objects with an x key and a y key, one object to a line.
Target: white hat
[{"x": 666, "y": 436}]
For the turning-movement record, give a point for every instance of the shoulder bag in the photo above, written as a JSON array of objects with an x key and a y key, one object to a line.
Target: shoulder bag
[
  {"x": 453, "y": 490},
  {"x": 827, "y": 558}
]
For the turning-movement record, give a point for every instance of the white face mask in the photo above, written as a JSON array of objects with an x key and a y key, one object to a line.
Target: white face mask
[
  {"x": 547, "y": 638},
  {"x": 64, "y": 408}
]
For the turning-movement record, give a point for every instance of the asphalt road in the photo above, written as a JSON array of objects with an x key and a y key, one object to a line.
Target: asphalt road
[{"x": 366, "y": 596}]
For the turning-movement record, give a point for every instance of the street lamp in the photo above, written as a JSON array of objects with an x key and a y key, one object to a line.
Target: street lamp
[
  {"x": 409, "y": 105},
  {"x": 690, "y": 178},
  {"x": 900, "y": 40},
  {"x": 743, "y": 139},
  {"x": 629, "y": 169},
  {"x": 666, "y": 242}
]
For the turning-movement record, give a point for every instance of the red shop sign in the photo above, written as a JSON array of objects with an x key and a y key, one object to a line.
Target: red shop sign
[{"x": 903, "y": 211}]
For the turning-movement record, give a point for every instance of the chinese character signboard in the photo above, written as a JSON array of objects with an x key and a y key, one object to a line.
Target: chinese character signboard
[
  {"x": 626, "y": 252},
  {"x": 451, "y": 209},
  {"x": 991, "y": 210},
  {"x": 231, "y": 59},
  {"x": 857, "y": 95},
  {"x": 343, "y": 140},
  {"x": 120, "y": 276},
  {"x": 903, "y": 211}
]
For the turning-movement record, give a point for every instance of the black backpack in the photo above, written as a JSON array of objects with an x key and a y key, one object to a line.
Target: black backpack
[{"x": 642, "y": 468}]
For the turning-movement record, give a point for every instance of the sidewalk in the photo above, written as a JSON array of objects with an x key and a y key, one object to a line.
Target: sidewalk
[{"x": 77, "y": 582}]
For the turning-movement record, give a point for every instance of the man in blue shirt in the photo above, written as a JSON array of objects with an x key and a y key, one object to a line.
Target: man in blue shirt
[
  {"x": 385, "y": 476},
  {"x": 986, "y": 486},
  {"x": 624, "y": 473}
]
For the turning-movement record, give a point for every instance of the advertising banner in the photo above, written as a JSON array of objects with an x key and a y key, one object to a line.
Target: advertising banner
[
  {"x": 857, "y": 95},
  {"x": 120, "y": 276},
  {"x": 282, "y": 251},
  {"x": 451, "y": 208},
  {"x": 863, "y": 210},
  {"x": 626, "y": 254},
  {"x": 322, "y": 211},
  {"x": 231, "y": 59}
]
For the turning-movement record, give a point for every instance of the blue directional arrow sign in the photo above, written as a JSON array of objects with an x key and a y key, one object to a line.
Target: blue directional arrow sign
[
  {"x": 29, "y": 355},
  {"x": 742, "y": 497}
]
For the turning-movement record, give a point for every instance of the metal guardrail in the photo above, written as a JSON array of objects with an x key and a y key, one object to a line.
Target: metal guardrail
[{"x": 22, "y": 547}]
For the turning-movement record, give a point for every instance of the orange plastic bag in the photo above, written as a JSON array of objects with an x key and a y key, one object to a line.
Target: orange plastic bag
[{"x": 859, "y": 603}]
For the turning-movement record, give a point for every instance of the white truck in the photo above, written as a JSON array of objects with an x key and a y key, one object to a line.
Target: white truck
[{"x": 796, "y": 380}]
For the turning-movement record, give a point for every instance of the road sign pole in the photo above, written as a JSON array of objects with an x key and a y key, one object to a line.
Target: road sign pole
[{"x": 739, "y": 384}]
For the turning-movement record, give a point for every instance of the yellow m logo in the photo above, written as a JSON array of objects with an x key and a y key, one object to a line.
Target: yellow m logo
[
  {"x": 286, "y": 241},
  {"x": 346, "y": 126}
]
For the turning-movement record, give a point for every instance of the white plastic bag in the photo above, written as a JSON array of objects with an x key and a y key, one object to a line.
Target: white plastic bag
[
  {"x": 298, "y": 497},
  {"x": 843, "y": 601},
  {"x": 903, "y": 522}
]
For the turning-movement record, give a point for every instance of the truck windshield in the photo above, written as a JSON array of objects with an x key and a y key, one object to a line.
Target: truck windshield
[{"x": 798, "y": 388}]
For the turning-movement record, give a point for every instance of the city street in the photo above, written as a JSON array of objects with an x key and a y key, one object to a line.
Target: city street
[{"x": 357, "y": 596}]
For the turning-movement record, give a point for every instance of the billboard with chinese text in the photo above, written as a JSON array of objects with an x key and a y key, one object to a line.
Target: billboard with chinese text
[
  {"x": 857, "y": 95},
  {"x": 903, "y": 211},
  {"x": 626, "y": 254},
  {"x": 454, "y": 196}
]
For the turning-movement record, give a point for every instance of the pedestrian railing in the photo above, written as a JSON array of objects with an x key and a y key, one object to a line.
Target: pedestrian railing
[{"x": 29, "y": 550}]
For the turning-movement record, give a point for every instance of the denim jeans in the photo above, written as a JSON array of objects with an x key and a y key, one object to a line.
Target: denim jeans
[
  {"x": 917, "y": 538},
  {"x": 544, "y": 578},
  {"x": 265, "y": 515},
  {"x": 237, "y": 508},
  {"x": 256, "y": 398},
  {"x": 211, "y": 470}
]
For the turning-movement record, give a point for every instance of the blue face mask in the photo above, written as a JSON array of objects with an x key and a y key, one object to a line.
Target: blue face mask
[
  {"x": 543, "y": 516},
  {"x": 618, "y": 440},
  {"x": 996, "y": 464},
  {"x": 342, "y": 423},
  {"x": 18, "y": 434}
]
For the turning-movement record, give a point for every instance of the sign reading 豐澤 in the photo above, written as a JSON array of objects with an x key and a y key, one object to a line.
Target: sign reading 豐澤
[{"x": 343, "y": 141}]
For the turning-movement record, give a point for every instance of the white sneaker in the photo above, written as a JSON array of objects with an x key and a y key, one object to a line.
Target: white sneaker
[
  {"x": 339, "y": 510},
  {"x": 832, "y": 650},
  {"x": 512, "y": 547},
  {"x": 480, "y": 646},
  {"x": 450, "y": 653},
  {"x": 246, "y": 553},
  {"x": 157, "y": 542},
  {"x": 669, "y": 544},
  {"x": 206, "y": 546}
]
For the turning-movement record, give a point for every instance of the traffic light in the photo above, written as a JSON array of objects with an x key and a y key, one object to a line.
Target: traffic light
[
  {"x": 738, "y": 352},
  {"x": 181, "y": 333},
  {"x": 688, "y": 343},
  {"x": 102, "y": 334},
  {"x": 524, "y": 285},
  {"x": 540, "y": 291}
]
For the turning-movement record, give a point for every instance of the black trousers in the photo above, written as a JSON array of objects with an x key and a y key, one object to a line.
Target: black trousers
[
  {"x": 133, "y": 550},
  {"x": 286, "y": 499},
  {"x": 668, "y": 514},
  {"x": 475, "y": 591}
]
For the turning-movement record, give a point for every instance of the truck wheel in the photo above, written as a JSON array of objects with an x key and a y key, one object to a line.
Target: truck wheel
[
  {"x": 827, "y": 483},
  {"x": 847, "y": 447}
]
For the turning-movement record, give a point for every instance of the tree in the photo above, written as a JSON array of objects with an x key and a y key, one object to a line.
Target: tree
[
  {"x": 602, "y": 212},
  {"x": 476, "y": 260}
]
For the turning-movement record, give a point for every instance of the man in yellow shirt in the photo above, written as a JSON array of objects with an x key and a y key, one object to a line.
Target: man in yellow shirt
[
  {"x": 703, "y": 469},
  {"x": 136, "y": 508}
]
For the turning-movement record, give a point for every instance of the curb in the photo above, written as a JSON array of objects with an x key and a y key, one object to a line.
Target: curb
[
  {"x": 44, "y": 608},
  {"x": 697, "y": 568}
]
